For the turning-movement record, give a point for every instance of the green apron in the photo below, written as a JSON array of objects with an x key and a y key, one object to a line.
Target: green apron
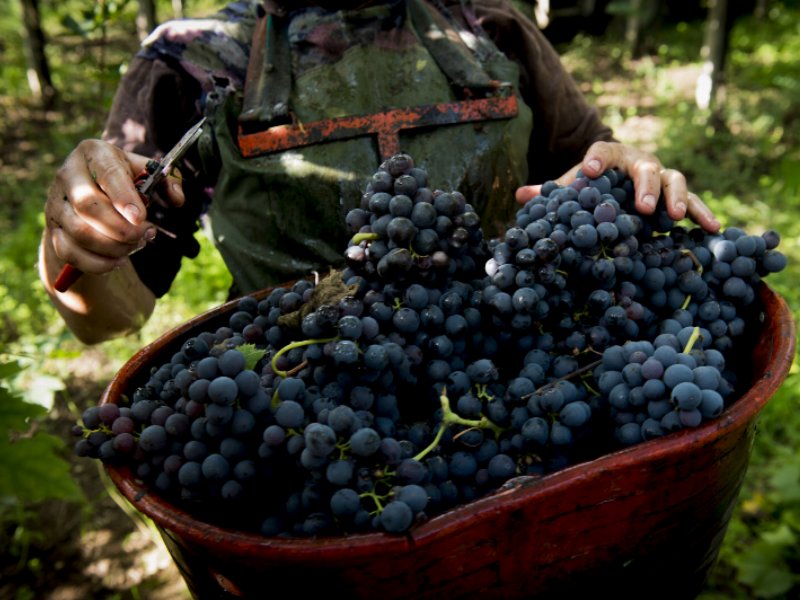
[{"x": 281, "y": 215}]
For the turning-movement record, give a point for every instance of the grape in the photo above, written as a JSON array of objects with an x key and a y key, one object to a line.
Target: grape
[
  {"x": 215, "y": 467},
  {"x": 223, "y": 390},
  {"x": 396, "y": 517},
  {"x": 686, "y": 396},
  {"x": 413, "y": 495},
  {"x": 345, "y": 503},
  {"x": 290, "y": 414},
  {"x": 153, "y": 439},
  {"x": 365, "y": 442}
]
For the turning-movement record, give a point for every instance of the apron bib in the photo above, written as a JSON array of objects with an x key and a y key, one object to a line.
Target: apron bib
[{"x": 278, "y": 214}]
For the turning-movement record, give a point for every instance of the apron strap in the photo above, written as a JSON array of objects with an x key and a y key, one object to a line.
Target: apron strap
[
  {"x": 269, "y": 74},
  {"x": 448, "y": 49}
]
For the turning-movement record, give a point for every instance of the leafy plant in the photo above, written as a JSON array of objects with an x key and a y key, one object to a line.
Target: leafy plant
[{"x": 33, "y": 468}]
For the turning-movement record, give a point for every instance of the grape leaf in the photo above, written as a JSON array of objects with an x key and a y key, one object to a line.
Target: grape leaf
[
  {"x": 9, "y": 370},
  {"x": 31, "y": 470},
  {"x": 786, "y": 482},
  {"x": 251, "y": 355},
  {"x": 15, "y": 414},
  {"x": 763, "y": 566}
]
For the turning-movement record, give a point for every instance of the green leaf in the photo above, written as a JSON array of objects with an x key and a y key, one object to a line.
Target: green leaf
[
  {"x": 780, "y": 537},
  {"x": 9, "y": 370},
  {"x": 785, "y": 481},
  {"x": 251, "y": 355},
  {"x": 763, "y": 567},
  {"x": 81, "y": 29},
  {"x": 15, "y": 413},
  {"x": 31, "y": 470}
]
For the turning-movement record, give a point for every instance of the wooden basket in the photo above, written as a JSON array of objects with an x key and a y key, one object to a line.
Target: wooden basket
[{"x": 644, "y": 522}]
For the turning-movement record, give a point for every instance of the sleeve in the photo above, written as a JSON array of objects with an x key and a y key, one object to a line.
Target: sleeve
[
  {"x": 154, "y": 105},
  {"x": 564, "y": 124}
]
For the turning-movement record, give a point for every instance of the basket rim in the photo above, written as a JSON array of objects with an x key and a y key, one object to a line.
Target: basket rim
[{"x": 513, "y": 493}]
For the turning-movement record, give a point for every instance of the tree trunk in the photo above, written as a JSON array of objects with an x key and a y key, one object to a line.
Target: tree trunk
[
  {"x": 39, "y": 79},
  {"x": 146, "y": 19},
  {"x": 713, "y": 53},
  {"x": 633, "y": 28},
  {"x": 177, "y": 8}
]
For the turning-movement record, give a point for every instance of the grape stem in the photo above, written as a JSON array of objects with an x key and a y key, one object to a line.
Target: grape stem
[
  {"x": 692, "y": 340},
  {"x": 292, "y": 346},
  {"x": 699, "y": 270},
  {"x": 364, "y": 237},
  {"x": 550, "y": 384},
  {"x": 451, "y": 418},
  {"x": 694, "y": 258}
]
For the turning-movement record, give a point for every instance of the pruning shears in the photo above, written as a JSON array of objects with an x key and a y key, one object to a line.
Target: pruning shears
[{"x": 146, "y": 182}]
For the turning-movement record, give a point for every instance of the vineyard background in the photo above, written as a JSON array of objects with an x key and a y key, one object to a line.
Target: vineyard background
[{"x": 65, "y": 533}]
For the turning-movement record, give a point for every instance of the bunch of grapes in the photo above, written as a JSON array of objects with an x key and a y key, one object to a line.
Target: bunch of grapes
[{"x": 438, "y": 365}]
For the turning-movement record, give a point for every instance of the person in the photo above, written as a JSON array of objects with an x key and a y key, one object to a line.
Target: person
[{"x": 346, "y": 82}]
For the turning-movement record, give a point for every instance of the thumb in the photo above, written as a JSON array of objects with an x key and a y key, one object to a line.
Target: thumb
[{"x": 526, "y": 192}]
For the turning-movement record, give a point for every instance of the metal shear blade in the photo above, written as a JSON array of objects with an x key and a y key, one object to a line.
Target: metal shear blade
[{"x": 170, "y": 158}]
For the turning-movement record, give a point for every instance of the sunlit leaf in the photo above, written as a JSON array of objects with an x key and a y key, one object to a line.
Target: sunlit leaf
[{"x": 32, "y": 471}]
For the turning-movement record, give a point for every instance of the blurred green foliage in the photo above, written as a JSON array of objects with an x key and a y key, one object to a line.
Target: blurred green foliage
[{"x": 745, "y": 164}]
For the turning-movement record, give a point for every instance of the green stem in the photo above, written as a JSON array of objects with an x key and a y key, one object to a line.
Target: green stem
[
  {"x": 292, "y": 346},
  {"x": 433, "y": 444},
  {"x": 376, "y": 499},
  {"x": 364, "y": 237},
  {"x": 695, "y": 260},
  {"x": 482, "y": 393},
  {"x": 451, "y": 418},
  {"x": 589, "y": 387},
  {"x": 692, "y": 340}
]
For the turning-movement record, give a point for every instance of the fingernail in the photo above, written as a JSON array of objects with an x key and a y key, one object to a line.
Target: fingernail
[
  {"x": 594, "y": 164},
  {"x": 177, "y": 187},
  {"x": 149, "y": 234},
  {"x": 131, "y": 212},
  {"x": 681, "y": 207},
  {"x": 649, "y": 201}
]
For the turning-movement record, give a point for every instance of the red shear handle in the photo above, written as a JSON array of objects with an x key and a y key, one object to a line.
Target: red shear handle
[{"x": 66, "y": 277}]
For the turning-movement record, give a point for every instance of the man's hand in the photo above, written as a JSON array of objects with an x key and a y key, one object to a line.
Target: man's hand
[
  {"x": 650, "y": 180},
  {"x": 95, "y": 217}
]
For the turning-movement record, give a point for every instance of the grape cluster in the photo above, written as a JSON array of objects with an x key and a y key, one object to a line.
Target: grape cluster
[{"x": 437, "y": 365}]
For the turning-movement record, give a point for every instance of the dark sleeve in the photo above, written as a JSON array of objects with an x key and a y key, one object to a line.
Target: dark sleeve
[
  {"x": 153, "y": 107},
  {"x": 564, "y": 124}
]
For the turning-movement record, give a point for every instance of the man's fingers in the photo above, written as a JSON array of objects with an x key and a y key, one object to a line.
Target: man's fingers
[
  {"x": 171, "y": 190},
  {"x": 602, "y": 156},
  {"x": 646, "y": 175},
  {"x": 86, "y": 260},
  {"x": 526, "y": 192},
  {"x": 95, "y": 187},
  {"x": 114, "y": 171},
  {"x": 675, "y": 192},
  {"x": 701, "y": 214}
]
